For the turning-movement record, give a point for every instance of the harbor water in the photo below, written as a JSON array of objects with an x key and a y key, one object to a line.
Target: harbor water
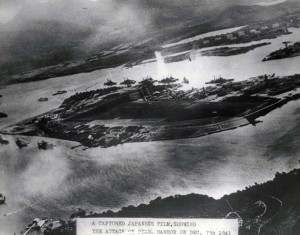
[{"x": 52, "y": 183}]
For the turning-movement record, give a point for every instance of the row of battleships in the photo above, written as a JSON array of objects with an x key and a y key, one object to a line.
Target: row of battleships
[
  {"x": 129, "y": 82},
  {"x": 23, "y": 144},
  {"x": 126, "y": 82},
  {"x": 41, "y": 145}
]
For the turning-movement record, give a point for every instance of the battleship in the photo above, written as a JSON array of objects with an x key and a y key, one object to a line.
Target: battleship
[
  {"x": 128, "y": 82},
  {"x": 286, "y": 52},
  {"x": 219, "y": 81},
  {"x": 110, "y": 83},
  {"x": 21, "y": 143},
  {"x": 45, "y": 145},
  {"x": 168, "y": 80}
]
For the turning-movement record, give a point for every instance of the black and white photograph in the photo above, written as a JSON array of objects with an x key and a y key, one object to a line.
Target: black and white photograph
[{"x": 169, "y": 114}]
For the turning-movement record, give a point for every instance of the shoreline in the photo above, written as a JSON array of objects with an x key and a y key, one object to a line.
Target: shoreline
[
  {"x": 202, "y": 206},
  {"x": 166, "y": 111},
  {"x": 144, "y": 200},
  {"x": 136, "y": 56}
]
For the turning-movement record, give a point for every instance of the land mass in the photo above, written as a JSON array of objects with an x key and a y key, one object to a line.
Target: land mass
[
  {"x": 261, "y": 23},
  {"x": 268, "y": 208},
  {"x": 159, "y": 110},
  {"x": 222, "y": 51},
  {"x": 229, "y": 51}
]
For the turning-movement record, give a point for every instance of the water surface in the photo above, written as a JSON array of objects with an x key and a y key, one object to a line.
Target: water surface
[{"x": 50, "y": 183}]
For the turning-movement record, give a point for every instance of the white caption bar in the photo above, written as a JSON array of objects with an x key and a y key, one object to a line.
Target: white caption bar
[{"x": 150, "y": 226}]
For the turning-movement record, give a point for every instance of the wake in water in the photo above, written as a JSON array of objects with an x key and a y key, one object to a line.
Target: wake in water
[{"x": 19, "y": 210}]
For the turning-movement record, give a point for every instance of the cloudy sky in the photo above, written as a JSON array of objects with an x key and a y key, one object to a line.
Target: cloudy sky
[
  {"x": 69, "y": 28},
  {"x": 105, "y": 18},
  {"x": 85, "y": 11}
]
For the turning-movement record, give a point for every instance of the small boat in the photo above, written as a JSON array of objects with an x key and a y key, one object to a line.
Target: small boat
[
  {"x": 2, "y": 199},
  {"x": 59, "y": 92},
  {"x": 3, "y": 115},
  {"x": 185, "y": 80},
  {"x": 21, "y": 143},
  {"x": 45, "y": 145},
  {"x": 3, "y": 141},
  {"x": 43, "y": 99}
]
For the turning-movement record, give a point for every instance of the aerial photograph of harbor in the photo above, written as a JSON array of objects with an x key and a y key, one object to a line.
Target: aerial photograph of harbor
[{"x": 149, "y": 109}]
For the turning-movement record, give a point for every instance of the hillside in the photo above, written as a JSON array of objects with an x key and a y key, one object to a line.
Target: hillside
[
  {"x": 271, "y": 208},
  {"x": 35, "y": 43},
  {"x": 41, "y": 43}
]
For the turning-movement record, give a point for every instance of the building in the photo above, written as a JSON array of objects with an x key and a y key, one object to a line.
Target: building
[
  {"x": 241, "y": 33},
  {"x": 229, "y": 35},
  {"x": 206, "y": 42},
  {"x": 254, "y": 31},
  {"x": 276, "y": 25}
]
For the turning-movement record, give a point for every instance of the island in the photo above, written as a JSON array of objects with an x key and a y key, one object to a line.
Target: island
[
  {"x": 229, "y": 51},
  {"x": 220, "y": 51},
  {"x": 155, "y": 110}
]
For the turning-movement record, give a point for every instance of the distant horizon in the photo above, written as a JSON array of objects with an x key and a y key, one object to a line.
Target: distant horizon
[{"x": 269, "y": 3}]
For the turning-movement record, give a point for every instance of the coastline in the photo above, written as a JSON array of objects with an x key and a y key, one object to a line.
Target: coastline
[
  {"x": 223, "y": 181},
  {"x": 245, "y": 205},
  {"x": 25, "y": 105}
]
